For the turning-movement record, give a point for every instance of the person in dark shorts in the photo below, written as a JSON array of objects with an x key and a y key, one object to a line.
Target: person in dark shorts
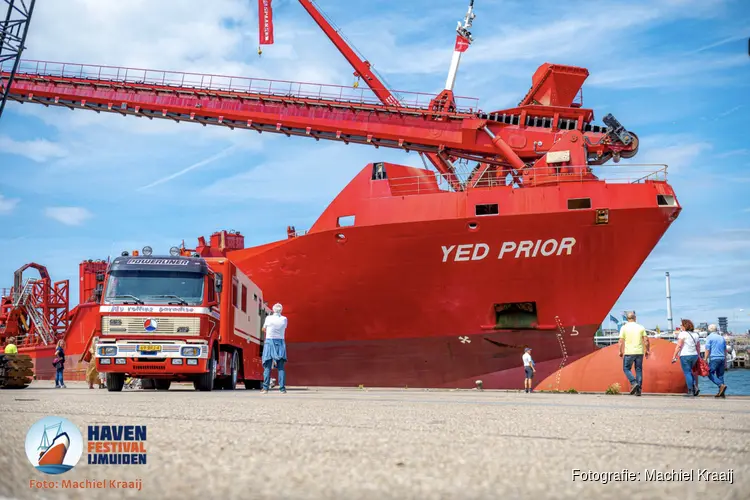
[{"x": 528, "y": 367}]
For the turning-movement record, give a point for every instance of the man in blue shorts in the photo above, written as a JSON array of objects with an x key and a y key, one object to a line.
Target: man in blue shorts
[{"x": 528, "y": 367}]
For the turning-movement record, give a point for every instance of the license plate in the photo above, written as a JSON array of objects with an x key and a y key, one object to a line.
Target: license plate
[{"x": 149, "y": 348}]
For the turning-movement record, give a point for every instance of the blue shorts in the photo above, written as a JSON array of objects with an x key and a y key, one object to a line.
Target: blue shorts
[{"x": 529, "y": 372}]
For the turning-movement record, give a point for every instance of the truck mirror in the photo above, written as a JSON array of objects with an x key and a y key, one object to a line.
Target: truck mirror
[
  {"x": 100, "y": 277},
  {"x": 219, "y": 282}
]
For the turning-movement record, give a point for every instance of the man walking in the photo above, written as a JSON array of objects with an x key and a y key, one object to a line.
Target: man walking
[
  {"x": 528, "y": 367},
  {"x": 634, "y": 346},
  {"x": 274, "y": 349},
  {"x": 716, "y": 348}
]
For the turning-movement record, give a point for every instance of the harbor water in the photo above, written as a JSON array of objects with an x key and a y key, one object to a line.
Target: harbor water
[{"x": 737, "y": 381}]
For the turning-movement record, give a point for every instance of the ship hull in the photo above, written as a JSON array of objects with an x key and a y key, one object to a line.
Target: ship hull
[
  {"x": 434, "y": 362},
  {"x": 414, "y": 303}
]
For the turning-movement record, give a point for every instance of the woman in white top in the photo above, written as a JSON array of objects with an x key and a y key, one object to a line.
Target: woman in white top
[{"x": 687, "y": 349}]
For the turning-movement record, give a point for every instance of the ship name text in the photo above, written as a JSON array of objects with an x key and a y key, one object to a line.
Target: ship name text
[{"x": 509, "y": 249}]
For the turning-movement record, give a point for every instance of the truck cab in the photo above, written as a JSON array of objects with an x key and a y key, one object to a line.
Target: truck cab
[{"x": 171, "y": 318}]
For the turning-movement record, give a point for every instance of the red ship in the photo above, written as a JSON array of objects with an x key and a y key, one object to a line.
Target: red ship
[{"x": 414, "y": 277}]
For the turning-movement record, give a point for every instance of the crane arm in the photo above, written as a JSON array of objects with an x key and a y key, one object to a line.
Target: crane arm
[{"x": 361, "y": 68}]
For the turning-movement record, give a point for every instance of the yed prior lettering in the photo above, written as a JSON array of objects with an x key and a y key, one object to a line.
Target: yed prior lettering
[{"x": 510, "y": 249}]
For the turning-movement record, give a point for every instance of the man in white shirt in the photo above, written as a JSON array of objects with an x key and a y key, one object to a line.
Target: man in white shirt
[
  {"x": 274, "y": 348},
  {"x": 528, "y": 367}
]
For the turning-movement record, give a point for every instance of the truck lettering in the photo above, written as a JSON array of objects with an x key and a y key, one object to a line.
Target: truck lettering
[{"x": 515, "y": 249}]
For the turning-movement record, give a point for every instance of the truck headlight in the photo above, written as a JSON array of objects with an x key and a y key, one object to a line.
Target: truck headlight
[
  {"x": 120, "y": 361},
  {"x": 192, "y": 361},
  {"x": 176, "y": 361},
  {"x": 190, "y": 351},
  {"x": 107, "y": 351},
  {"x": 105, "y": 361}
]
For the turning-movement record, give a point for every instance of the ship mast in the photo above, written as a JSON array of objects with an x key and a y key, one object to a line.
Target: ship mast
[{"x": 463, "y": 40}]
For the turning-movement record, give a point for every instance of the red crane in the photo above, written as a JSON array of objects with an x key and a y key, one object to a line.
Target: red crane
[
  {"x": 363, "y": 70},
  {"x": 34, "y": 311},
  {"x": 547, "y": 130}
]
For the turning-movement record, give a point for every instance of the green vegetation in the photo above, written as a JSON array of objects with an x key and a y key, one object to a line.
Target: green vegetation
[{"x": 613, "y": 389}]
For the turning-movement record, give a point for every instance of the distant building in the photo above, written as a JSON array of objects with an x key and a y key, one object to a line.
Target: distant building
[
  {"x": 702, "y": 326},
  {"x": 723, "y": 324}
]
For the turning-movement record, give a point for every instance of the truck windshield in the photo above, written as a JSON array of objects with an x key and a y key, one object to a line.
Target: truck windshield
[{"x": 154, "y": 287}]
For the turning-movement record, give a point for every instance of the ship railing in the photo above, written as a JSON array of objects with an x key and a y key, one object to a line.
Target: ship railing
[
  {"x": 207, "y": 81},
  {"x": 614, "y": 174}
]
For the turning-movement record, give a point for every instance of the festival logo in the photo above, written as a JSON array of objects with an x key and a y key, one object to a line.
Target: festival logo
[
  {"x": 117, "y": 445},
  {"x": 54, "y": 445}
]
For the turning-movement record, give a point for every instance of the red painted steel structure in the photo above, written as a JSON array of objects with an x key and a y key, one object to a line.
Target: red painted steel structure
[
  {"x": 34, "y": 311},
  {"x": 415, "y": 298}
]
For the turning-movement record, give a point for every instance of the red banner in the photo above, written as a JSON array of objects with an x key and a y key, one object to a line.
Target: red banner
[
  {"x": 461, "y": 44},
  {"x": 265, "y": 18}
]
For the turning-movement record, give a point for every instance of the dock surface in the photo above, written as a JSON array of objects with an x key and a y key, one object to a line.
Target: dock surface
[{"x": 325, "y": 443}]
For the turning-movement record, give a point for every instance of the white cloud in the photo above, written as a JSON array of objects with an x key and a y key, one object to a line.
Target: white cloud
[
  {"x": 7, "y": 205},
  {"x": 664, "y": 71},
  {"x": 315, "y": 173},
  {"x": 39, "y": 150},
  {"x": 674, "y": 150},
  {"x": 70, "y": 216}
]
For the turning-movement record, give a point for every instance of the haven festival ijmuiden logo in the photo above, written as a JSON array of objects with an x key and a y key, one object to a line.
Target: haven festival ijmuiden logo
[{"x": 54, "y": 445}]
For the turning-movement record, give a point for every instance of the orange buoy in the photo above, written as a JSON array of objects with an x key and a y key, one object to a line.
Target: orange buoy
[{"x": 602, "y": 368}]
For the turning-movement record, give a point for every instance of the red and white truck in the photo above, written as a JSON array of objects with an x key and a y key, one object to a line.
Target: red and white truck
[{"x": 180, "y": 318}]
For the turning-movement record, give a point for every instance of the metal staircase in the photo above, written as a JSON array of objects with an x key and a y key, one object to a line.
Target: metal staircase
[{"x": 41, "y": 324}]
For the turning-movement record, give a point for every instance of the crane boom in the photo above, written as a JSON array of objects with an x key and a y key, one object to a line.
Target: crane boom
[
  {"x": 517, "y": 137},
  {"x": 361, "y": 67}
]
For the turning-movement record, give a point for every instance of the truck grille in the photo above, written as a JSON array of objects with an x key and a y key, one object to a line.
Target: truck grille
[
  {"x": 151, "y": 368},
  {"x": 135, "y": 325}
]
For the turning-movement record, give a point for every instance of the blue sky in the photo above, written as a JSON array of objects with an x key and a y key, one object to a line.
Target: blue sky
[{"x": 78, "y": 185}]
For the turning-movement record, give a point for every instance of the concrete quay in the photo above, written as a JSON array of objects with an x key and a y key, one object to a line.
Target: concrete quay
[{"x": 329, "y": 443}]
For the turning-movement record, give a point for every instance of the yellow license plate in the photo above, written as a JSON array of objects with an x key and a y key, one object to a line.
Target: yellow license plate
[{"x": 149, "y": 348}]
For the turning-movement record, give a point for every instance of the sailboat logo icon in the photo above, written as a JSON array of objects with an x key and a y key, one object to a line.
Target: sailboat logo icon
[{"x": 54, "y": 445}]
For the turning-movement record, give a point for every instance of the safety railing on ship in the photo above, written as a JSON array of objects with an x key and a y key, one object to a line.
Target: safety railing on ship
[
  {"x": 614, "y": 174},
  {"x": 178, "y": 79}
]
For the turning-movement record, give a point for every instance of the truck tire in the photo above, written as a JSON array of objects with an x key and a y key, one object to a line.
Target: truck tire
[
  {"x": 162, "y": 385},
  {"x": 205, "y": 381},
  {"x": 148, "y": 383},
  {"x": 115, "y": 381},
  {"x": 230, "y": 383}
]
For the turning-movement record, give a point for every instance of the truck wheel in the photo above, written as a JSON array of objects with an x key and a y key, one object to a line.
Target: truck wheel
[
  {"x": 230, "y": 383},
  {"x": 162, "y": 385},
  {"x": 148, "y": 383},
  {"x": 205, "y": 381},
  {"x": 115, "y": 381}
]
